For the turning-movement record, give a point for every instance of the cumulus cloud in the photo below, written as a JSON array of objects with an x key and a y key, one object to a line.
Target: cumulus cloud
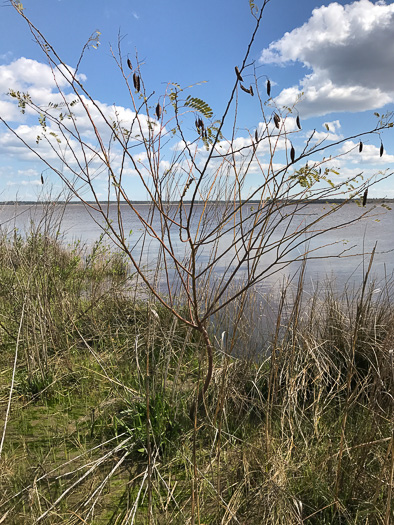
[
  {"x": 42, "y": 83},
  {"x": 370, "y": 154},
  {"x": 28, "y": 173},
  {"x": 332, "y": 126},
  {"x": 349, "y": 50},
  {"x": 330, "y": 133},
  {"x": 25, "y": 73},
  {"x": 24, "y": 183}
]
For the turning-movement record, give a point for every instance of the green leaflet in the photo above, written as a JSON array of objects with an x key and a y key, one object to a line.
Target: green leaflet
[
  {"x": 199, "y": 105},
  {"x": 307, "y": 177}
]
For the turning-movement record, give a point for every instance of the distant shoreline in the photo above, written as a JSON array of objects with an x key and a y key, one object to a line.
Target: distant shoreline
[{"x": 316, "y": 201}]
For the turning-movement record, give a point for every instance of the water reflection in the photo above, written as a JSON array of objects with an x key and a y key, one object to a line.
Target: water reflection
[{"x": 354, "y": 242}]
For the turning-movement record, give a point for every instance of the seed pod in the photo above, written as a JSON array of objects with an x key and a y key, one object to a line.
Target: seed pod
[
  {"x": 136, "y": 81},
  {"x": 256, "y": 136},
  {"x": 201, "y": 124},
  {"x": 244, "y": 89},
  {"x": 42, "y": 179},
  {"x": 239, "y": 77},
  {"x": 360, "y": 147},
  {"x": 292, "y": 154},
  {"x": 251, "y": 91},
  {"x": 205, "y": 135},
  {"x": 276, "y": 120},
  {"x": 158, "y": 111},
  {"x": 129, "y": 64},
  {"x": 365, "y": 197},
  {"x": 381, "y": 149},
  {"x": 298, "y": 122},
  {"x": 268, "y": 87}
]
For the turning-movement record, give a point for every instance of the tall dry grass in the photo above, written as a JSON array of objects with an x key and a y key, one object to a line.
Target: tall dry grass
[{"x": 98, "y": 428}]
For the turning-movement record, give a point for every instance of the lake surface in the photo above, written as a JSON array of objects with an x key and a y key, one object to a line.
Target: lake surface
[{"x": 358, "y": 239}]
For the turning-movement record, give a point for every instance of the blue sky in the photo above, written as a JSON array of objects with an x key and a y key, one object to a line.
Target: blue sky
[{"x": 339, "y": 54}]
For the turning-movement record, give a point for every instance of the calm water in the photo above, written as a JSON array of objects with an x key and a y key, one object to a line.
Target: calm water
[{"x": 358, "y": 239}]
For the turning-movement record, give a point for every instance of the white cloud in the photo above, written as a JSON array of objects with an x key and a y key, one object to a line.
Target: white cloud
[
  {"x": 140, "y": 157},
  {"x": 24, "y": 183},
  {"x": 370, "y": 154},
  {"x": 41, "y": 82},
  {"x": 330, "y": 133},
  {"x": 26, "y": 75},
  {"x": 320, "y": 136},
  {"x": 350, "y": 51},
  {"x": 9, "y": 111},
  {"x": 28, "y": 173},
  {"x": 182, "y": 146},
  {"x": 333, "y": 125}
]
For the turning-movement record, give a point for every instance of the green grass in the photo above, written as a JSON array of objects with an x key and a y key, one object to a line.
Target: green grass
[{"x": 302, "y": 436}]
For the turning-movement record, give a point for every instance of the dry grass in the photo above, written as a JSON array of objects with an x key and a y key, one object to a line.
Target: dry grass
[{"x": 99, "y": 432}]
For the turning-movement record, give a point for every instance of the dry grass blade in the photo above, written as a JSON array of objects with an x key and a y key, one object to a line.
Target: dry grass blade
[
  {"x": 95, "y": 465},
  {"x": 7, "y": 414}
]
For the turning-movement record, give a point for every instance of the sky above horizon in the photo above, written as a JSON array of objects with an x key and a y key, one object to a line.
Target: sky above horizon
[{"x": 335, "y": 57}]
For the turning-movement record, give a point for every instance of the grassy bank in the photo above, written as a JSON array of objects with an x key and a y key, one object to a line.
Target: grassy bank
[{"x": 96, "y": 388}]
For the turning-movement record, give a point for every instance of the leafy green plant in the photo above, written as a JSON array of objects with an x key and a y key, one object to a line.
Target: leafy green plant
[{"x": 166, "y": 426}]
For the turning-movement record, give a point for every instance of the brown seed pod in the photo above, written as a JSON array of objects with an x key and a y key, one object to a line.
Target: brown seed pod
[
  {"x": 158, "y": 111},
  {"x": 276, "y": 120},
  {"x": 136, "y": 82},
  {"x": 292, "y": 154},
  {"x": 298, "y": 122},
  {"x": 244, "y": 89},
  {"x": 251, "y": 91},
  {"x": 365, "y": 197},
  {"x": 129, "y": 64},
  {"x": 256, "y": 136},
  {"x": 201, "y": 124},
  {"x": 205, "y": 135},
  {"x": 381, "y": 149},
  {"x": 42, "y": 179},
  {"x": 268, "y": 87},
  {"x": 239, "y": 77},
  {"x": 360, "y": 147}
]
